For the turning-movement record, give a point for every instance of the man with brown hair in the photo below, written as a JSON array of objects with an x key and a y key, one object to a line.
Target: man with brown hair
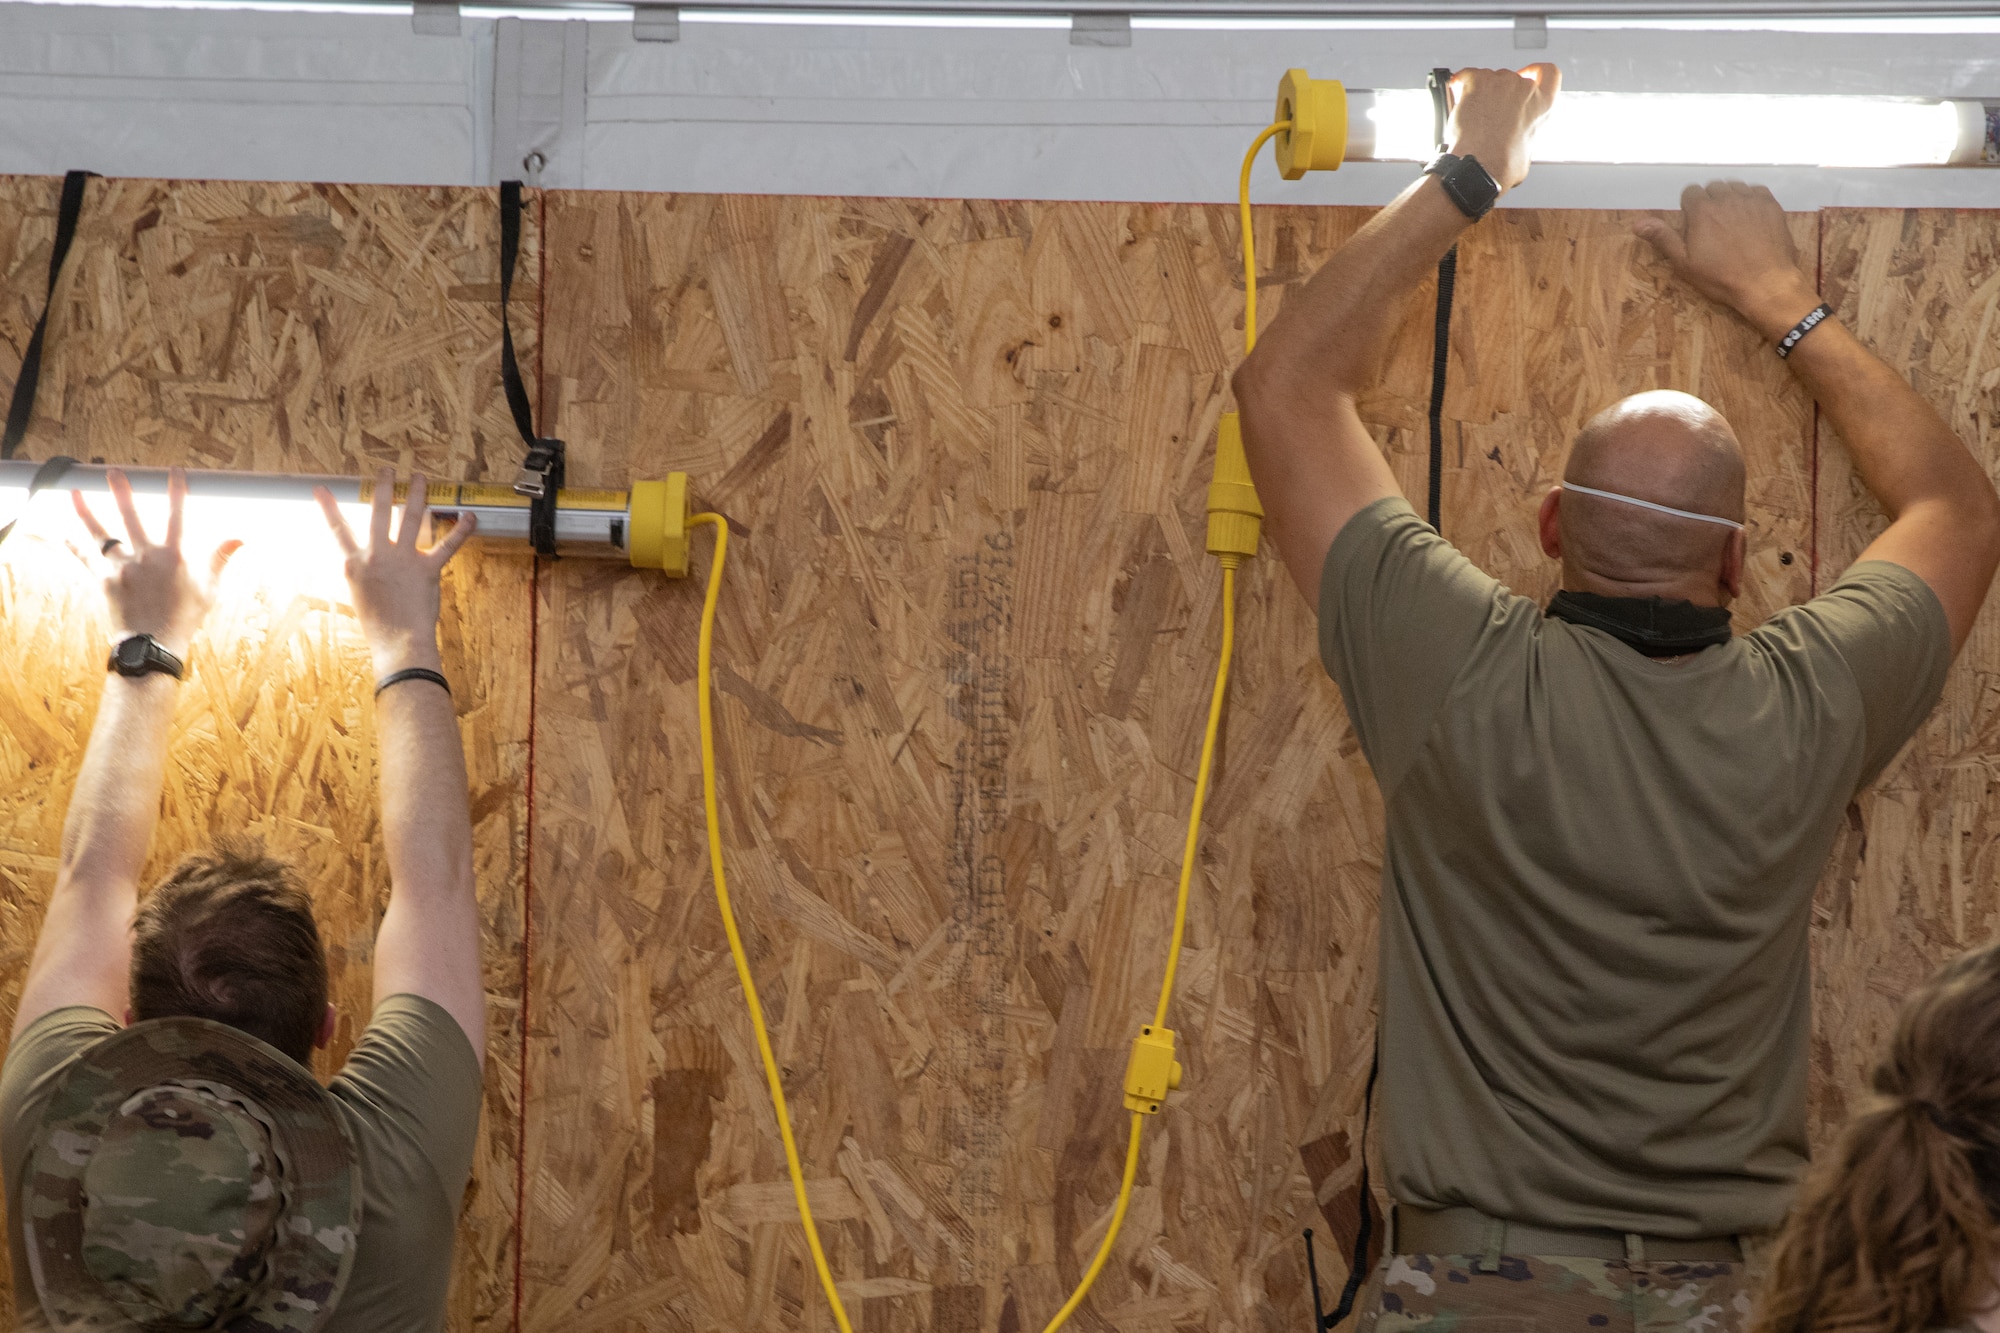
[
  {"x": 185, "y": 1169},
  {"x": 1604, "y": 817}
]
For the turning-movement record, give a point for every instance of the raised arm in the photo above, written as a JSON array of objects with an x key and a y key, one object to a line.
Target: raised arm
[
  {"x": 1733, "y": 247},
  {"x": 1314, "y": 463},
  {"x": 429, "y": 941},
  {"x": 84, "y": 952}
]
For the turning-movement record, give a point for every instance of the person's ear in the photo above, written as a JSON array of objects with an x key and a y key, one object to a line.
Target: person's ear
[
  {"x": 1549, "y": 521},
  {"x": 325, "y": 1033},
  {"x": 1730, "y": 576}
]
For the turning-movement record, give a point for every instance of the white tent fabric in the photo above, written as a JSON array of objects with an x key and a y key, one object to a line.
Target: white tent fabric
[{"x": 768, "y": 107}]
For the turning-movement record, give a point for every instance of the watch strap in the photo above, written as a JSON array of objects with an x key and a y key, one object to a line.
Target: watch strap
[
  {"x": 1466, "y": 182},
  {"x": 142, "y": 655}
]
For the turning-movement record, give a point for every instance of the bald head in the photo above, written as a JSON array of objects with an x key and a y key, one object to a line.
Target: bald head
[{"x": 1675, "y": 450}]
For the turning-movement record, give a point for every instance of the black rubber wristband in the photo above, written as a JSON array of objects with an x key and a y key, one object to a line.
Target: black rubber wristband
[
  {"x": 413, "y": 673},
  {"x": 1802, "y": 328}
]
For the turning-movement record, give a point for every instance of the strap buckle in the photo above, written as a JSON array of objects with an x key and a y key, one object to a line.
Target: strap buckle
[{"x": 541, "y": 480}]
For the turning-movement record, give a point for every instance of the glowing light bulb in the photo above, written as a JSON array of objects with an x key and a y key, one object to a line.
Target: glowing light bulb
[
  {"x": 1719, "y": 129},
  {"x": 287, "y": 547}
]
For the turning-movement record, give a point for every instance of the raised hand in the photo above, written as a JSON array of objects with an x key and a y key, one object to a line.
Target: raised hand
[
  {"x": 1496, "y": 113},
  {"x": 150, "y": 589},
  {"x": 395, "y": 585},
  {"x": 1732, "y": 246}
]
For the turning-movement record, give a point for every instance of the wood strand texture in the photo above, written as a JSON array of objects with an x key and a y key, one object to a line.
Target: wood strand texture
[
  {"x": 1915, "y": 876},
  {"x": 964, "y": 654},
  {"x": 965, "y": 645}
]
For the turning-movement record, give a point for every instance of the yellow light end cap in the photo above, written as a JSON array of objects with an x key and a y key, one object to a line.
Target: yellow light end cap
[
  {"x": 1152, "y": 1071},
  {"x": 1317, "y": 109},
  {"x": 658, "y": 519},
  {"x": 1235, "y": 514}
]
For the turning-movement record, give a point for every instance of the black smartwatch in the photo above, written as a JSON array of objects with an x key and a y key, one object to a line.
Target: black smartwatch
[
  {"x": 1469, "y": 185},
  {"x": 141, "y": 655}
]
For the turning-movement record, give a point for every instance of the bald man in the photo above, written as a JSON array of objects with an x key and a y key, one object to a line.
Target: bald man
[{"x": 1604, "y": 818}]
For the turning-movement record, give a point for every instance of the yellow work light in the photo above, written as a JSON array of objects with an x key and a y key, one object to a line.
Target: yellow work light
[{"x": 286, "y": 539}]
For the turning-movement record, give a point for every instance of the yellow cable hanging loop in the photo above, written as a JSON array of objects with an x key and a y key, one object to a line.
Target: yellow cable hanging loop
[
  {"x": 1152, "y": 1071},
  {"x": 705, "y": 706}
]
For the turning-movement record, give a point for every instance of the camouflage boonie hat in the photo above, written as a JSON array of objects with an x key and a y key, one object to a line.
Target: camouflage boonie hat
[{"x": 188, "y": 1176}]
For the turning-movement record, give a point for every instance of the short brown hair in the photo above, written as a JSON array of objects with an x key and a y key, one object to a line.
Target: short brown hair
[
  {"x": 1896, "y": 1230},
  {"x": 229, "y": 935}
]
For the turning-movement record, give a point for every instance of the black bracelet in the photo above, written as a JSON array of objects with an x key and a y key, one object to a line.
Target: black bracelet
[
  {"x": 1802, "y": 328},
  {"x": 413, "y": 673}
]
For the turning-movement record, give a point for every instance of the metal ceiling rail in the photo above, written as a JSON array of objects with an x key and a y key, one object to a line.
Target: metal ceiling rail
[{"x": 1372, "y": 9}]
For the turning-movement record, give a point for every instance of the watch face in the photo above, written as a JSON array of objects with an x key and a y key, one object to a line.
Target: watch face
[{"x": 131, "y": 653}]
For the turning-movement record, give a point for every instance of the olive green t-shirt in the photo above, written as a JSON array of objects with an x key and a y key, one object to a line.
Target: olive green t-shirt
[
  {"x": 410, "y": 1095},
  {"x": 1598, "y": 871}
]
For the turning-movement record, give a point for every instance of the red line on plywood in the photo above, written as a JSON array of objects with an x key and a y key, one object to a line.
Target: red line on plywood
[
  {"x": 528, "y": 849},
  {"x": 527, "y": 944},
  {"x": 1819, "y": 285}
]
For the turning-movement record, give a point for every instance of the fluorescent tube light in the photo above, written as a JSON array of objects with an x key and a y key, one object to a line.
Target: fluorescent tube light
[
  {"x": 1912, "y": 25},
  {"x": 287, "y": 546},
  {"x": 286, "y": 543},
  {"x": 1708, "y": 129}
]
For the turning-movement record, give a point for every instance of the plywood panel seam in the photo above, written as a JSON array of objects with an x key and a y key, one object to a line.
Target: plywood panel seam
[
  {"x": 1819, "y": 285},
  {"x": 528, "y": 874}
]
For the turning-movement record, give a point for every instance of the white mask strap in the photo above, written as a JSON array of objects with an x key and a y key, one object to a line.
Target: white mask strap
[{"x": 1648, "y": 504}]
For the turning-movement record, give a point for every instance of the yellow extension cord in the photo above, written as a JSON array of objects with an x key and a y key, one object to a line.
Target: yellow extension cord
[
  {"x": 705, "y": 705},
  {"x": 706, "y": 708}
]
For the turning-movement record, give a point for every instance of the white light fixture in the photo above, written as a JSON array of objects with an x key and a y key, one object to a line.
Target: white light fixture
[
  {"x": 1709, "y": 129},
  {"x": 286, "y": 542}
]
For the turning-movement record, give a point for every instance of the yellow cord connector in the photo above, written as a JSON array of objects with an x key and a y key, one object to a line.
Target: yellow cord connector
[
  {"x": 1152, "y": 1070},
  {"x": 705, "y": 706},
  {"x": 1235, "y": 514},
  {"x": 1235, "y": 522}
]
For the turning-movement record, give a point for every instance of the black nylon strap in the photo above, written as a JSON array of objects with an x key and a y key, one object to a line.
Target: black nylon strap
[
  {"x": 1357, "y": 1268},
  {"x": 22, "y": 407},
  {"x": 510, "y": 369},
  {"x": 541, "y": 475},
  {"x": 1440, "y": 358},
  {"x": 1440, "y": 85},
  {"x": 1312, "y": 1280},
  {"x": 47, "y": 475}
]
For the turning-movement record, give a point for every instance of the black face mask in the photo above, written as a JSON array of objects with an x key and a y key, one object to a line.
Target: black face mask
[{"x": 1652, "y": 625}]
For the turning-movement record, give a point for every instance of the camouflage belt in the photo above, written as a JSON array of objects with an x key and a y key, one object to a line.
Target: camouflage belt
[{"x": 1469, "y": 1231}]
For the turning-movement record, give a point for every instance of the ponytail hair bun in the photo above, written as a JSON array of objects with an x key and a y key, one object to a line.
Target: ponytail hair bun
[{"x": 1897, "y": 1228}]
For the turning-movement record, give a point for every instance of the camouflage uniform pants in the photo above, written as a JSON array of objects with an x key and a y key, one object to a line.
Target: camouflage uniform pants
[{"x": 1440, "y": 1293}]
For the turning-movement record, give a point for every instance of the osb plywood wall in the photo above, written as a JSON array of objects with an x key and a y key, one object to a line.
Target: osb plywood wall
[
  {"x": 1915, "y": 876},
  {"x": 963, "y": 655},
  {"x": 302, "y": 328},
  {"x": 971, "y": 657}
]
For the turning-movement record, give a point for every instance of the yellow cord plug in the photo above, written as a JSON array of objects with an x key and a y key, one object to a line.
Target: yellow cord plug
[
  {"x": 659, "y": 536},
  {"x": 1317, "y": 138},
  {"x": 1235, "y": 514}
]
